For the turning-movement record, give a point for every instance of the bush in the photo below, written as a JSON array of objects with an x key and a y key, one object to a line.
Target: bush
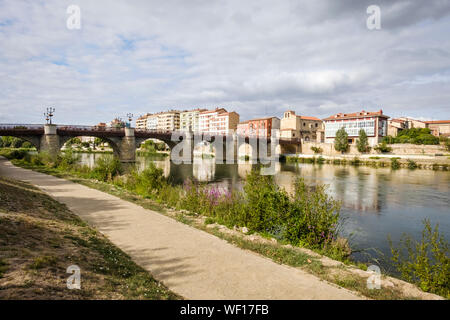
[
  {"x": 425, "y": 263},
  {"x": 312, "y": 218},
  {"x": 383, "y": 147},
  {"x": 395, "y": 164},
  {"x": 106, "y": 168},
  {"x": 316, "y": 150},
  {"x": 411, "y": 164},
  {"x": 15, "y": 154},
  {"x": 265, "y": 203},
  {"x": 414, "y": 136}
]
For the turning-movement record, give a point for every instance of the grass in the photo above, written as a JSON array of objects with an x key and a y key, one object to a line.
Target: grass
[{"x": 40, "y": 238}]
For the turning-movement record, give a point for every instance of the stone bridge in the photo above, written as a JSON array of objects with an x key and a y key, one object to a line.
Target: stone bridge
[{"x": 50, "y": 138}]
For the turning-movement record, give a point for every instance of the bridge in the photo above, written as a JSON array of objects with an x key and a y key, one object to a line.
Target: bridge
[{"x": 51, "y": 138}]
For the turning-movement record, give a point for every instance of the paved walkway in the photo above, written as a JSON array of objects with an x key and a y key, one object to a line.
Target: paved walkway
[{"x": 191, "y": 262}]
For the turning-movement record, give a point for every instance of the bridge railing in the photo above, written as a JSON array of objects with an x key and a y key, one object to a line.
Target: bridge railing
[
  {"x": 69, "y": 127},
  {"x": 9, "y": 126}
]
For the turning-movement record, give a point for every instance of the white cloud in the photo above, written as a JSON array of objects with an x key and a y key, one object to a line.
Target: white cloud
[{"x": 258, "y": 57}]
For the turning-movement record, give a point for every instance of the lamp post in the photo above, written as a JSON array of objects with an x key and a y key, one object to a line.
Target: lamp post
[
  {"x": 130, "y": 118},
  {"x": 49, "y": 114}
]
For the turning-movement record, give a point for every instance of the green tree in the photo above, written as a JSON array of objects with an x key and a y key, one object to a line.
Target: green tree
[
  {"x": 362, "y": 143},
  {"x": 341, "y": 140}
]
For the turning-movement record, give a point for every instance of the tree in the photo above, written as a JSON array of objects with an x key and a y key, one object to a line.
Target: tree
[
  {"x": 362, "y": 143},
  {"x": 341, "y": 140}
]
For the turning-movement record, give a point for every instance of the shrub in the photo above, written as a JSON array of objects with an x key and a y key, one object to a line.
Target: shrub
[
  {"x": 411, "y": 164},
  {"x": 106, "y": 168},
  {"x": 65, "y": 160},
  {"x": 316, "y": 150},
  {"x": 413, "y": 135},
  {"x": 425, "y": 263},
  {"x": 341, "y": 140},
  {"x": 15, "y": 154},
  {"x": 265, "y": 203},
  {"x": 312, "y": 217},
  {"x": 383, "y": 147},
  {"x": 395, "y": 164}
]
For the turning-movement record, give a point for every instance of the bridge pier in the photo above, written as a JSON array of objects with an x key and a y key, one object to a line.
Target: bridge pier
[
  {"x": 127, "y": 147},
  {"x": 50, "y": 140}
]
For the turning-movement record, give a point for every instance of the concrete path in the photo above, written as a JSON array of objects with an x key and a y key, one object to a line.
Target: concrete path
[{"x": 191, "y": 262}]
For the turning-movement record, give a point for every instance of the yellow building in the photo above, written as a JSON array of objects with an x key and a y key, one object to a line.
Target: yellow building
[
  {"x": 293, "y": 126},
  {"x": 189, "y": 120},
  {"x": 169, "y": 121}
]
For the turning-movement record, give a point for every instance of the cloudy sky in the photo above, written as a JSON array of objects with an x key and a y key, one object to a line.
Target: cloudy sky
[{"x": 255, "y": 57}]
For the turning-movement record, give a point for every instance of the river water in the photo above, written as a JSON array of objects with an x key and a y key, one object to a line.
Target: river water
[{"x": 376, "y": 202}]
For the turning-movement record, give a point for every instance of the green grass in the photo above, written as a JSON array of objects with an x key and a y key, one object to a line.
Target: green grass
[{"x": 40, "y": 238}]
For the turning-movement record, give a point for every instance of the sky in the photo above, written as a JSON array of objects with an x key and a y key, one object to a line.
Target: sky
[{"x": 256, "y": 57}]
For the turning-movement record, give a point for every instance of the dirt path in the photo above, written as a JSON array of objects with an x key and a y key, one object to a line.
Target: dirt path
[{"x": 192, "y": 263}]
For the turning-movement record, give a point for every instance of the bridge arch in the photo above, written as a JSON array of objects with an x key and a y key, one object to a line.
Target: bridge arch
[{"x": 113, "y": 142}]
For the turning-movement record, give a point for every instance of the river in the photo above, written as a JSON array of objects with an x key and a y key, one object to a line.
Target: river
[{"x": 376, "y": 202}]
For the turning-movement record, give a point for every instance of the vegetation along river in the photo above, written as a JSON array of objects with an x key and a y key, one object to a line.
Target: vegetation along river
[{"x": 376, "y": 202}]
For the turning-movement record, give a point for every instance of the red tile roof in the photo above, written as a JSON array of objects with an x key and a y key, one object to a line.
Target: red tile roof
[
  {"x": 437, "y": 121},
  {"x": 309, "y": 118},
  {"x": 361, "y": 114}
]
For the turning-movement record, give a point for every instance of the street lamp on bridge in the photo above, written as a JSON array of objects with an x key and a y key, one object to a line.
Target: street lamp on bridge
[
  {"x": 49, "y": 114},
  {"x": 130, "y": 118}
]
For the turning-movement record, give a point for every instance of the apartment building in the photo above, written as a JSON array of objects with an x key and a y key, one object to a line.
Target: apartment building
[
  {"x": 261, "y": 128},
  {"x": 189, "y": 119},
  {"x": 152, "y": 122},
  {"x": 218, "y": 121},
  {"x": 141, "y": 122},
  {"x": 375, "y": 125},
  {"x": 169, "y": 120},
  {"x": 294, "y": 126}
]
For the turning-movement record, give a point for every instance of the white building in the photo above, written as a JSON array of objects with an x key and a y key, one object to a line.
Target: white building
[
  {"x": 152, "y": 122},
  {"x": 373, "y": 123},
  {"x": 218, "y": 121}
]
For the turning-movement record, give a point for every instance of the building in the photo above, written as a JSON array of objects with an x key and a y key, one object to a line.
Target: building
[
  {"x": 152, "y": 122},
  {"x": 398, "y": 124},
  {"x": 218, "y": 121},
  {"x": 141, "y": 122},
  {"x": 373, "y": 123},
  {"x": 117, "y": 123},
  {"x": 169, "y": 120},
  {"x": 395, "y": 126},
  {"x": 294, "y": 126},
  {"x": 439, "y": 127},
  {"x": 189, "y": 120},
  {"x": 261, "y": 127}
]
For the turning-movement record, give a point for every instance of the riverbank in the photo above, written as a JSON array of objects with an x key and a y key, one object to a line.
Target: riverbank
[
  {"x": 192, "y": 263},
  {"x": 336, "y": 272},
  {"x": 40, "y": 238},
  {"x": 376, "y": 161}
]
